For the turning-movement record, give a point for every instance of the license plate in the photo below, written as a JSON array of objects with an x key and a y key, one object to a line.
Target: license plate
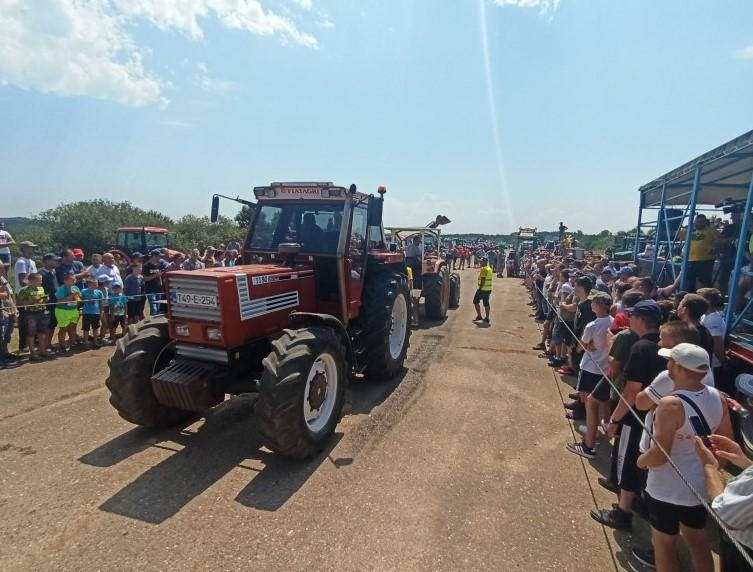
[{"x": 207, "y": 300}]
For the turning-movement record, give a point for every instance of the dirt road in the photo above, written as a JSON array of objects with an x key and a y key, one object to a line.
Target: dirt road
[{"x": 459, "y": 464}]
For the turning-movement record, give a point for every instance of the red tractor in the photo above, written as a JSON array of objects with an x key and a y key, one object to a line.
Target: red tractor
[
  {"x": 143, "y": 239},
  {"x": 319, "y": 297}
]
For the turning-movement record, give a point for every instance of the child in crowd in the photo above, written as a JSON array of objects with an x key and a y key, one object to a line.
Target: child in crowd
[
  {"x": 103, "y": 284},
  {"x": 118, "y": 302},
  {"x": 133, "y": 288},
  {"x": 36, "y": 315},
  {"x": 92, "y": 309},
  {"x": 66, "y": 312}
]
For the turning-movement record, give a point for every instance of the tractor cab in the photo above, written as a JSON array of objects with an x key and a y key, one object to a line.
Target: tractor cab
[{"x": 141, "y": 239}]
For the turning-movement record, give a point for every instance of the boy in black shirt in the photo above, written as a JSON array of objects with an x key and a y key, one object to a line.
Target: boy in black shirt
[{"x": 643, "y": 365}]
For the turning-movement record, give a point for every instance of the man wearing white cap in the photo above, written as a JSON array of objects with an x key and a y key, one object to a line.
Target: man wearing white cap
[{"x": 691, "y": 410}]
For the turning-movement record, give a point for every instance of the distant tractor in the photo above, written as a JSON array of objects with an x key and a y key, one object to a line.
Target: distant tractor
[
  {"x": 319, "y": 297},
  {"x": 431, "y": 277},
  {"x": 131, "y": 239}
]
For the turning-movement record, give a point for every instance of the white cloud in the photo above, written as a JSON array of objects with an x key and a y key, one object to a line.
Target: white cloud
[
  {"x": 745, "y": 53},
  {"x": 544, "y": 6},
  {"x": 83, "y": 47},
  {"x": 304, "y": 4}
]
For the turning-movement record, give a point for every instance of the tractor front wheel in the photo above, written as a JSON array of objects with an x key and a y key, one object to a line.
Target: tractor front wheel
[
  {"x": 145, "y": 349},
  {"x": 301, "y": 391},
  {"x": 437, "y": 294}
]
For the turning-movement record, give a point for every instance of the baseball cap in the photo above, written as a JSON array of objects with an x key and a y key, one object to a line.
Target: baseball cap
[
  {"x": 626, "y": 270},
  {"x": 116, "y": 284},
  {"x": 608, "y": 270},
  {"x": 28, "y": 243},
  {"x": 137, "y": 255},
  {"x": 103, "y": 279},
  {"x": 50, "y": 256},
  {"x": 155, "y": 252},
  {"x": 77, "y": 252},
  {"x": 645, "y": 308},
  {"x": 689, "y": 356}
]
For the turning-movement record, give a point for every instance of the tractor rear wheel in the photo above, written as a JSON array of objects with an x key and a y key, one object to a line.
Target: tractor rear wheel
[
  {"x": 454, "y": 290},
  {"x": 437, "y": 294},
  {"x": 145, "y": 349},
  {"x": 301, "y": 391},
  {"x": 385, "y": 322}
]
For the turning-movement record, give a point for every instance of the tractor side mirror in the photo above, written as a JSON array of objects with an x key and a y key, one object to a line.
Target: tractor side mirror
[
  {"x": 375, "y": 211},
  {"x": 215, "y": 208}
]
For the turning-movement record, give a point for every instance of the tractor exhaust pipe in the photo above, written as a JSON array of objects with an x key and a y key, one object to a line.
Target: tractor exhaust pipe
[{"x": 340, "y": 260}]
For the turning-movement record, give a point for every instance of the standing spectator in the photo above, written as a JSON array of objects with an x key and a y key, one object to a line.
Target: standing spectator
[
  {"x": 50, "y": 285},
  {"x": 692, "y": 309},
  {"x": 733, "y": 503},
  {"x": 714, "y": 322},
  {"x": 677, "y": 418},
  {"x": 7, "y": 320},
  {"x": 5, "y": 241},
  {"x": 701, "y": 255},
  {"x": 69, "y": 265},
  {"x": 643, "y": 365},
  {"x": 234, "y": 245},
  {"x": 133, "y": 288},
  {"x": 24, "y": 267},
  {"x": 484, "y": 291},
  {"x": 34, "y": 302},
  {"x": 66, "y": 312},
  {"x": 78, "y": 254},
  {"x": 176, "y": 263},
  {"x": 136, "y": 258},
  {"x": 232, "y": 259},
  {"x": 153, "y": 271},
  {"x": 110, "y": 269},
  {"x": 103, "y": 284},
  {"x": 219, "y": 259},
  {"x": 96, "y": 268},
  {"x": 92, "y": 311},
  {"x": 118, "y": 303},
  {"x": 194, "y": 261}
]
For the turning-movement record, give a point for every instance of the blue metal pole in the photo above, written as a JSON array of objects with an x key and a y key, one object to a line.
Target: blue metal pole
[
  {"x": 689, "y": 233},
  {"x": 741, "y": 245},
  {"x": 658, "y": 228},
  {"x": 638, "y": 230}
]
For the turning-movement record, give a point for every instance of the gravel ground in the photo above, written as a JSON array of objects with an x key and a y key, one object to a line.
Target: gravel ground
[{"x": 458, "y": 464}]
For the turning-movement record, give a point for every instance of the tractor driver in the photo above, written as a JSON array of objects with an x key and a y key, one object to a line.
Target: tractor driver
[
  {"x": 312, "y": 235},
  {"x": 414, "y": 254}
]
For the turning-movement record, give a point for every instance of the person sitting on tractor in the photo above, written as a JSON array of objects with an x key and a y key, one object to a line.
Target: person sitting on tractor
[
  {"x": 484, "y": 291},
  {"x": 414, "y": 254},
  {"x": 312, "y": 235}
]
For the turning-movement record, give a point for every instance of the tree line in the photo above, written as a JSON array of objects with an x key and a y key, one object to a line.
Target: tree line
[{"x": 92, "y": 225}]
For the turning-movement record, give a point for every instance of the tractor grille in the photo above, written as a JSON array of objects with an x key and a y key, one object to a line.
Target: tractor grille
[
  {"x": 202, "y": 353},
  {"x": 191, "y": 311}
]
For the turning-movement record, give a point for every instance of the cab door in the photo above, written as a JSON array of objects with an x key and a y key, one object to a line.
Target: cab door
[{"x": 355, "y": 262}]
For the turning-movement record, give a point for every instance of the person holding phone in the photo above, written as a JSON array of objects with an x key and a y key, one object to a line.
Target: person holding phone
[{"x": 692, "y": 409}]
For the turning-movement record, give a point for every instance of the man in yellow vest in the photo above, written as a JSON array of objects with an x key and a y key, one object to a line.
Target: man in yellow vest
[{"x": 484, "y": 290}]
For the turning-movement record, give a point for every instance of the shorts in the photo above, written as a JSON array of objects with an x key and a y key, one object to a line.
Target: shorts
[
  {"x": 135, "y": 308},
  {"x": 66, "y": 317},
  {"x": 629, "y": 476},
  {"x": 587, "y": 381},
  {"x": 482, "y": 296},
  {"x": 91, "y": 321},
  {"x": 551, "y": 314},
  {"x": 666, "y": 517},
  {"x": 116, "y": 321},
  {"x": 36, "y": 322},
  {"x": 602, "y": 391},
  {"x": 5, "y": 257},
  {"x": 52, "y": 323}
]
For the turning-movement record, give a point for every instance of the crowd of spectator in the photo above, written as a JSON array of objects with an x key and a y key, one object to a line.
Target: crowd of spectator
[
  {"x": 652, "y": 380},
  {"x": 60, "y": 302}
]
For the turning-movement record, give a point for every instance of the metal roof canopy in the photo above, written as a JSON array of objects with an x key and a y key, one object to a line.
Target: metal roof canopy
[{"x": 725, "y": 173}]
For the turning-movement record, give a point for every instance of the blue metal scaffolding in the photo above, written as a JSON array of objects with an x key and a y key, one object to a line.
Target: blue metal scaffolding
[{"x": 669, "y": 202}]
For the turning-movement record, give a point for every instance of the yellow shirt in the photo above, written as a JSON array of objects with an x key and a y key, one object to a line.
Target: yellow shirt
[
  {"x": 702, "y": 245},
  {"x": 485, "y": 278}
]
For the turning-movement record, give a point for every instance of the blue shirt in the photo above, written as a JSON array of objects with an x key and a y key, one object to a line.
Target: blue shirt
[
  {"x": 133, "y": 285},
  {"x": 92, "y": 299},
  {"x": 118, "y": 304},
  {"x": 63, "y": 269},
  {"x": 64, "y": 291}
]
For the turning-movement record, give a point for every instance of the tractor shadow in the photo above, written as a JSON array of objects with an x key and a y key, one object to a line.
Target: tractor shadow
[{"x": 202, "y": 453}]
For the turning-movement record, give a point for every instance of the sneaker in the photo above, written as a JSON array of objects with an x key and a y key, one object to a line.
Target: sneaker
[
  {"x": 477, "y": 319},
  {"x": 574, "y": 395},
  {"x": 613, "y": 518},
  {"x": 573, "y": 405},
  {"x": 581, "y": 449},
  {"x": 556, "y": 364},
  {"x": 9, "y": 364},
  {"x": 486, "y": 320},
  {"x": 609, "y": 485},
  {"x": 565, "y": 371},
  {"x": 35, "y": 357},
  {"x": 645, "y": 556}
]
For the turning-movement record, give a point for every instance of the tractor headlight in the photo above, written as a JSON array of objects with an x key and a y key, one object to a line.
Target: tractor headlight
[
  {"x": 214, "y": 334},
  {"x": 181, "y": 330}
]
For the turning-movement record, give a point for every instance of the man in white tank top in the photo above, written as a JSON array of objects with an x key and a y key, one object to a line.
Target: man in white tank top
[{"x": 691, "y": 410}]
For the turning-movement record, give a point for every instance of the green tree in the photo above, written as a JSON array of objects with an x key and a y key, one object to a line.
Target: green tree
[
  {"x": 244, "y": 217},
  {"x": 191, "y": 231}
]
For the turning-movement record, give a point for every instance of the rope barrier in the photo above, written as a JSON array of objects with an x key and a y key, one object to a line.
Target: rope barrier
[{"x": 715, "y": 517}]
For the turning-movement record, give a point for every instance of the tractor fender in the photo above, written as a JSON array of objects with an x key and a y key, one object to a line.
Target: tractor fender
[
  {"x": 432, "y": 265},
  {"x": 302, "y": 319}
]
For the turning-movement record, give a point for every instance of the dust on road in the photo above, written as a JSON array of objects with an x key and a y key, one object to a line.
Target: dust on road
[{"x": 457, "y": 464}]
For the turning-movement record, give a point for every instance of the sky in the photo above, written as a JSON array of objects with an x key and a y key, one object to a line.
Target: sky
[{"x": 495, "y": 113}]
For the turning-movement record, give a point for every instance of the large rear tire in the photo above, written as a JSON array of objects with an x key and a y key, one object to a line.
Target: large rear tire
[
  {"x": 454, "y": 290},
  {"x": 301, "y": 391},
  {"x": 385, "y": 323},
  {"x": 437, "y": 294},
  {"x": 145, "y": 349}
]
